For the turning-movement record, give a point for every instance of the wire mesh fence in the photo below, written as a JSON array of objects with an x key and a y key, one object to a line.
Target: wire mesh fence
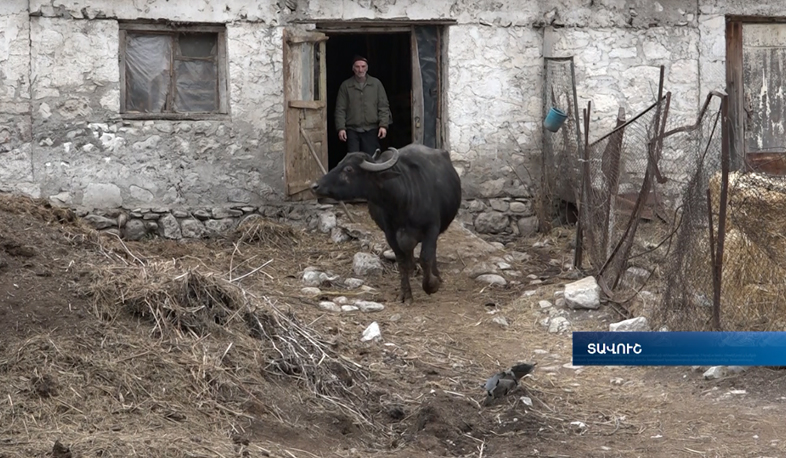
[
  {"x": 645, "y": 215},
  {"x": 560, "y": 172}
]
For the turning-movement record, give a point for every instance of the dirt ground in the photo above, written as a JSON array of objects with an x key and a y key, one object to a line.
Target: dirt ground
[{"x": 192, "y": 349}]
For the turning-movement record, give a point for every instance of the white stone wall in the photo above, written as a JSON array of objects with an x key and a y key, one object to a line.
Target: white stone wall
[
  {"x": 62, "y": 135},
  {"x": 494, "y": 100},
  {"x": 16, "y": 171}
]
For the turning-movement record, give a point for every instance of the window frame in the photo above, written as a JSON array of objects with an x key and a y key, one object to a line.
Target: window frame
[{"x": 172, "y": 29}]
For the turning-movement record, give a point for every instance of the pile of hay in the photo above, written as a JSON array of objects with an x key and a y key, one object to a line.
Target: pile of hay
[
  {"x": 259, "y": 230},
  {"x": 753, "y": 294},
  {"x": 173, "y": 299}
]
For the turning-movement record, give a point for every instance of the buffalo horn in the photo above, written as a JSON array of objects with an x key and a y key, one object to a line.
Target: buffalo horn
[{"x": 374, "y": 167}]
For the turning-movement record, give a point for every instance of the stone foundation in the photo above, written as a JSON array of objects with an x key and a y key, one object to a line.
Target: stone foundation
[{"x": 504, "y": 216}]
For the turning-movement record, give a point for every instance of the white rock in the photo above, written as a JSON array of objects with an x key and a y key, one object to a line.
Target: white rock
[
  {"x": 583, "y": 294},
  {"x": 369, "y": 306},
  {"x": 715, "y": 372},
  {"x": 371, "y": 332},
  {"x": 389, "y": 255},
  {"x": 492, "y": 279},
  {"x": 526, "y": 400},
  {"x": 638, "y": 324},
  {"x": 500, "y": 320},
  {"x": 558, "y": 324},
  {"x": 517, "y": 256},
  {"x": 544, "y": 304},
  {"x": 312, "y": 278},
  {"x": 475, "y": 270},
  {"x": 341, "y": 300},
  {"x": 531, "y": 292},
  {"x": 329, "y": 306},
  {"x": 353, "y": 283},
  {"x": 561, "y": 302},
  {"x": 349, "y": 308},
  {"x": 337, "y": 235},
  {"x": 366, "y": 264},
  {"x": 504, "y": 265},
  {"x": 327, "y": 221},
  {"x": 311, "y": 291}
]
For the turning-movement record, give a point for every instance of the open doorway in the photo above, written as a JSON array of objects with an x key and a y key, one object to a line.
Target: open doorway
[{"x": 390, "y": 60}]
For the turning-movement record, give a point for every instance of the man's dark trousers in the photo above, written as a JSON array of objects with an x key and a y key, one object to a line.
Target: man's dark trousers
[{"x": 367, "y": 141}]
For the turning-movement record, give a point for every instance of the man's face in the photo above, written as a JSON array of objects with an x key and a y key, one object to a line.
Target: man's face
[{"x": 360, "y": 68}]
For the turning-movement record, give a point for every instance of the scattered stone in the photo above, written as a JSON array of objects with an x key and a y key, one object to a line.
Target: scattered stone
[
  {"x": 504, "y": 265},
  {"x": 202, "y": 215},
  {"x": 134, "y": 230},
  {"x": 500, "y": 320},
  {"x": 492, "y": 279},
  {"x": 497, "y": 245},
  {"x": 616, "y": 381},
  {"x": 561, "y": 302},
  {"x": 364, "y": 264},
  {"x": 311, "y": 291},
  {"x": 528, "y": 226},
  {"x": 716, "y": 372},
  {"x": 337, "y": 235},
  {"x": 396, "y": 317},
  {"x": 517, "y": 256},
  {"x": 369, "y": 306},
  {"x": 327, "y": 222},
  {"x": 481, "y": 268},
  {"x": 100, "y": 222},
  {"x": 353, "y": 283},
  {"x": 635, "y": 277},
  {"x": 544, "y": 304},
  {"x": 638, "y": 324},
  {"x": 341, "y": 300},
  {"x": 329, "y": 306},
  {"x": 170, "y": 228},
  {"x": 558, "y": 324},
  {"x": 583, "y": 294},
  {"x": 312, "y": 278},
  {"x": 491, "y": 223},
  {"x": 193, "y": 228},
  {"x": 389, "y": 255},
  {"x": 371, "y": 332},
  {"x": 349, "y": 308}
]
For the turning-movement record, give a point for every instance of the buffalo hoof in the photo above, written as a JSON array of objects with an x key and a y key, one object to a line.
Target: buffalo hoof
[
  {"x": 405, "y": 297},
  {"x": 432, "y": 285}
]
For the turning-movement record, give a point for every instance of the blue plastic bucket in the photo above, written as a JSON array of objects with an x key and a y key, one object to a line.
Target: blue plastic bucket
[{"x": 555, "y": 119}]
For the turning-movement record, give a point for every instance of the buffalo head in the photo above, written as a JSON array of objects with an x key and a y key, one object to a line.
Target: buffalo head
[{"x": 354, "y": 177}]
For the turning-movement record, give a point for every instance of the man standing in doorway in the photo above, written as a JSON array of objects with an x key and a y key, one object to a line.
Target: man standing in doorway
[{"x": 362, "y": 110}]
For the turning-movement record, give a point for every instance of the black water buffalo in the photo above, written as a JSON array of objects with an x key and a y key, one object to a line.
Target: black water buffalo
[{"x": 413, "y": 195}]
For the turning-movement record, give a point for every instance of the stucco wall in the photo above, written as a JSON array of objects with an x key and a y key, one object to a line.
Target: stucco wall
[{"x": 61, "y": 134}]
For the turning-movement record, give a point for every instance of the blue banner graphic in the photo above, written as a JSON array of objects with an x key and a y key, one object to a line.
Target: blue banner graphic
[{"x": 679, "y": 348}]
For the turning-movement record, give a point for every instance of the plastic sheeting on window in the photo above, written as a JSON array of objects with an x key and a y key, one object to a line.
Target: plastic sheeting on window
[
  {"x": 196, "y": 86},
  {"x": 148, "y": 60},
  {"x": 148, "y": 79}
]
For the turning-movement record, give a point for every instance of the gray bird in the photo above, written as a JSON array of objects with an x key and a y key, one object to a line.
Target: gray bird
[{"x": 500, "y": 384}]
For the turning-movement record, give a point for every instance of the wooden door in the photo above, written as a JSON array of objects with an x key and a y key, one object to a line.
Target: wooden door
[
  {"x": 426, "y": 90},
  {"x": 764, "y": 101},
  {"x": 305, "y": 106}
]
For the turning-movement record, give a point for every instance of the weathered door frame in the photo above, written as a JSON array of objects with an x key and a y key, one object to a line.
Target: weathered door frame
[
  {"x": 408, "y": 26},
  {"x": 735, "y": 84},
  {"x": 305, "y": 111}
]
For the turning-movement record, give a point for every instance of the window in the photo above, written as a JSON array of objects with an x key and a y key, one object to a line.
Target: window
[{"x": 172, "y": 72}]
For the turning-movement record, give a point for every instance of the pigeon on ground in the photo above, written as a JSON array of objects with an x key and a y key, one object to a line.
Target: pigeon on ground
[{"x": 499, "y": 385}]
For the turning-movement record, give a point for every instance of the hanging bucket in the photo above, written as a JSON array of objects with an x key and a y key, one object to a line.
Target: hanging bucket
[{"x": 555, "y": 119}]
